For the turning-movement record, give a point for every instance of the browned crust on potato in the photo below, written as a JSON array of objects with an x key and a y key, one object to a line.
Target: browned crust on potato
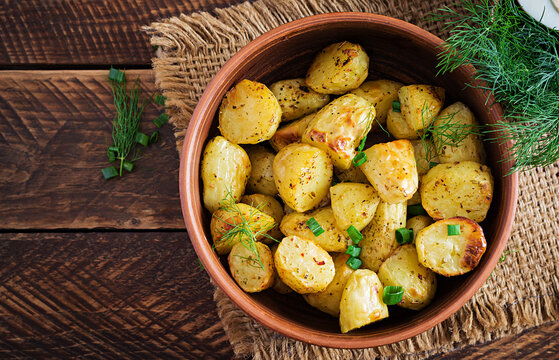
[{"x": 475, "y": 247}]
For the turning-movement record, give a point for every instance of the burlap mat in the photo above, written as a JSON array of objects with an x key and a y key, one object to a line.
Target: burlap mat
[{"x": 521, "y": 293}]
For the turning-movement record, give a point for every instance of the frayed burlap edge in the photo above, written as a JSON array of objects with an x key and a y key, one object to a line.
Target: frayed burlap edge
[{"x": 521, "y": 293}]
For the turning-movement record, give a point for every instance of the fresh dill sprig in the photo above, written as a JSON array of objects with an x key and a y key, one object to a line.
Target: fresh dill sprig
[
  {"x": 244, "y": 228},
  {"x": 517, "y": 60},
  {"x": 129, "y": 108}
]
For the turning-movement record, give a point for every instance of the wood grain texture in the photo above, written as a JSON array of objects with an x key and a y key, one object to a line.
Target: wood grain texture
[
  {"x": 106, "y": 295},
  {"x": 53, "y": 131},
  {"x": 69, "y": 32}
]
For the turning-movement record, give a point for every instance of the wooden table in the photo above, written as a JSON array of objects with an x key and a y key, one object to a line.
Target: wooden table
[{"x": 93, "y": 268}]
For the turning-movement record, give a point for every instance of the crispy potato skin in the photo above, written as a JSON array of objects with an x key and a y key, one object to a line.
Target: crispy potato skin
[
  {"x": 296, "y": 99},
  {"x": 262, "y": 175},
  {"x": 332, "y": 239},
  {"x": 353, "y": 204},
  {"x": 223, "y": 220},
  {"x": 403, "y": 269},
  {"x": 328, "y": 300},
  {"x": 424, "y": 153},
  {"x": 379, "y": 237},
  {"x": 249, "y": 113},
  {"x": 338, "y": 68},
  {"x": 246, "y": 269},
  {"x": 303, "y": 266},
  {"x": 418, "y": 223},
  {"x": 460, "y": 189},
  {"x": 398, "y": 127},
  {"x": 290, "y": 133},
  {"x": 451, "y": 255},
  {"x": 391, "y": 169},
  {"x": 470, "y": 148},
  {"x": 269, "y": 206},
  {"x": 303, "y": 175},
  {"x": 361, "y": 302},
  {"x": 420, "y": 104},
  {"x": 339, "y": 127},
  {"x": 381, "y": 94},
  {"x": 279, "y": 286},
  {"x": 225, "y": 168}
]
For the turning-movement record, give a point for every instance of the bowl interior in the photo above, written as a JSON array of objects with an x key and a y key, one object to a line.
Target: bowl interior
[{"x": 397, "y": 51}]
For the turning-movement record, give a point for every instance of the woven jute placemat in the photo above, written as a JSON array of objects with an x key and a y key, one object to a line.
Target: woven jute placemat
[{"x": 522, "y": 291}]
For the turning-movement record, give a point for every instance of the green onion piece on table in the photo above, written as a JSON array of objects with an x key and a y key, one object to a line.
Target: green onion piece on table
[
  {"x": 404, "y": 236},
  {"x": 396, "y": 106},
  {"x": 354, "y": 263},
  {"x": 159, "y": 99},
  {"x": 161, "y": 120},
  {"x": 116, "y": 75},
  {"x": 142, "y": 138},
  {"x": 354, "y": 234},
  {"x": 314, "y": 226},
  {"x": 417, "y": 209},
  {"x": 111, "y": 155},
  {"x": 128, "y": 166},
  {"x": 359, "y": 159},
  {"x": 453, "y": 230},
  {"x": 109, "y": 172},
  {"x": 392, "y": 295},
  {"x": 353, "y": 251}
]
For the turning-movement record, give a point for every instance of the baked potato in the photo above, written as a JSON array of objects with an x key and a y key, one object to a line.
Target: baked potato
[
  {"x": 290, "y": 133},
  {"x": 249, "y": 113},
  {"x": 451, "y": 255},
  {"x": 338, "y": 68},
  {"x": 460, "y": 189},
  {"x": 381, "y": 94},
  {"x": 339, "y": 127},
  {"x": 398, "y": 127},
  {"x": 403, "y": 269},
  {"x": 420, "y": 104},
  {"x": 261, "y": 178},
  {"x": 279, "y": 286},
  {"x": 225, "y": 170},
  {"x": 303, "y": 175},
  {"x": 353, "y": 204},
  {"x": 361, "y": 302},
  {"x": 296, "y": 99},
  {"x": 391, "y": 169},
  {"x": 303, "y": 266},
  {"x": 425, "y": 154},
  {"x": 252, "y": 268},
  {"x": 269, "y": 206}
]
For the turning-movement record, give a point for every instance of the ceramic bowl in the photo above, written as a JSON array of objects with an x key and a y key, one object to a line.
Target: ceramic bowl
[{"x": 399, "y": 51}]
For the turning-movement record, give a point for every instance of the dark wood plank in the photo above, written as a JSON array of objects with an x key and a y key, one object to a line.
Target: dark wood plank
[
  {"x": 106, "y": 295},
  {"x": 53, "y": 129},
  {"x": 85, "y": 32}
]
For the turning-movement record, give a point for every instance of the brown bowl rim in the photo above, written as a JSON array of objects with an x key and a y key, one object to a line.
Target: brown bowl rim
[{"x": 190, "y": 197}]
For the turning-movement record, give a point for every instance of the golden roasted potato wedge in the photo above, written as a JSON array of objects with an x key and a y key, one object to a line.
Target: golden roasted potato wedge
[
  {"x": 460, "y": 189},
  {"x": 262, "y": 175},
  {"x": 279, "y": 286},
  {"x": 391, "y": 169},
  {"x": 338, "y": 68},
  {"x": 296, "y": 99},
  {"x": 249, "y": 113},
  {"x": 353, "y": 204},
  {"x": 398, "y": 127},
  {"x": 339, "y": 127},
  {"x": 303, "y": 175},
  {"x": 403, "y": 269},
  {"x": 328, "y": 300},
  {"x": 420, "y": 104},
  {"x": 252, "y": 268},
  {"x": 361, "y": 302},
  {"x": 303, "y": 266},
  {"x": 451, "y": 255},
  {"x": 225, "y": 171},
  {"x": 381, "y": 94},
  {"x": 270, "y": 206},
  {"x": 425, "y": 154},
  {"x": 290, "y": 133}
]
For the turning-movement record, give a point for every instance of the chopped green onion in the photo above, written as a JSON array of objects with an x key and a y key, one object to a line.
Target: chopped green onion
[
  {"x": 432, "y": 164},
  {"x": 353, "y": 250},
  {"x": 154, "y": 137},
  {"x": 354, "y": 263},
  {"x": 159, "y": 99},
  {"x": 417, "y": 209},
  {"x": 396, "y": 106},
  {"x": 404, "y": 236},
  {"x": 142, "y": 138},
  {"x": 354, "y": 234},
  {"x": 111, "y": 156},
  {"x": 362, "y": 144},
  {"x": 109, "y": 172},
  {"x": 128, "y": 166},
  {"x": 314, "y": 226},
  {"x": 359, "y": 159},
  {"x": 453, "y": 230},
  {"x": 161, "y": 120},
  {"x": 392, "y": 295},
  {"x": 116, "y": 75}
]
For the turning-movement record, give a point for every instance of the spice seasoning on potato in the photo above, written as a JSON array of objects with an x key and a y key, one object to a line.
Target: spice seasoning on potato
[
  {"x": 420, "y": 104},
  {"x": 261, "y": 179},
  {"x": 290, "y": 133},
  {"x": 252, "y": 272},
  {"x": 381, "y": 94},
  {"x": 296, "y": 99}
]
